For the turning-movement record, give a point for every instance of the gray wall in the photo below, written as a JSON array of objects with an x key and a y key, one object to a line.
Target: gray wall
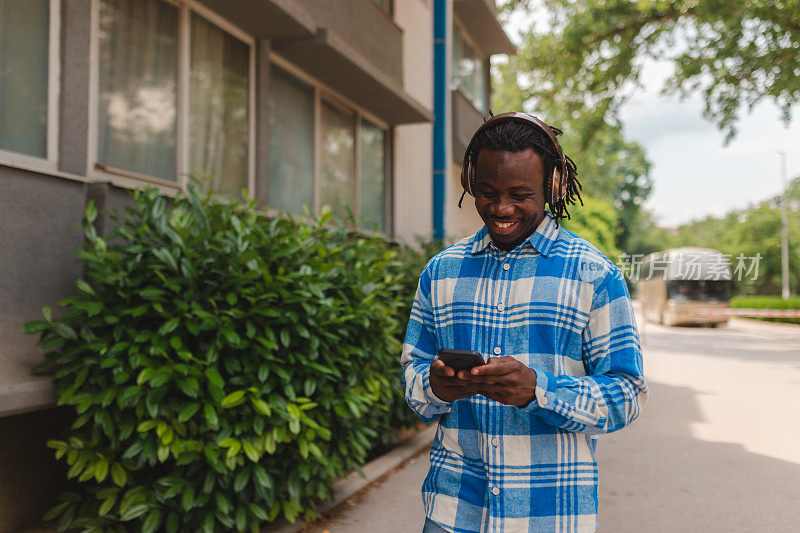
[{"x": 39, "y": 235}]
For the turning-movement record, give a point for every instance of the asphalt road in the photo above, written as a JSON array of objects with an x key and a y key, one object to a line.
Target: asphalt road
[{"x": 717, "y": 448}]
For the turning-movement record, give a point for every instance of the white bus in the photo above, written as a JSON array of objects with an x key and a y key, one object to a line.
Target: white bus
[{"x": 674, "y": 285}]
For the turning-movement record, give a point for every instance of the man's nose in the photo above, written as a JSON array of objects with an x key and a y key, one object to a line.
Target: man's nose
[{"x": 502, "y": 207}]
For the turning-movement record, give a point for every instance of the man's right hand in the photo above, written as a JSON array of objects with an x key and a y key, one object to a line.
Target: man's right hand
[{"x": 446, "y": 385}]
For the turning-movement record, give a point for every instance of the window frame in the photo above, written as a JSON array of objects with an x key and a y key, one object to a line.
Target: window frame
[
  {"x": 335, "y": 99},
  {"x": 49, "y": 163},
  {"x": 130, "y": 179}
]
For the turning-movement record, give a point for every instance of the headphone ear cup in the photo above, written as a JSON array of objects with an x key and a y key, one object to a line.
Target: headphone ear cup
[{"x": 556, "y": 186}]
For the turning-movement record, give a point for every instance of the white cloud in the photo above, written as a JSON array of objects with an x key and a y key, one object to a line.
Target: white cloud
[{"x": 694, "y": 173}]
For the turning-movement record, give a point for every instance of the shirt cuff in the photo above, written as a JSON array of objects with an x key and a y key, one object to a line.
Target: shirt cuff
[
  {"x": 428, "y": 390},
  {"x": 545, "y": 392}
]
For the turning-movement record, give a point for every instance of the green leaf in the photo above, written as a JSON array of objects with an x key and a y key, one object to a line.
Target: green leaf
[
  {"x": 107, "y": 505},
  {"x": 241, "y": 479},
  {"x": 233, "y": 399},
  {"x": 84, "y": 287},
  {"x": 261, "y": 406},
  {"x": 241, "y": 518},
  {"x": 187, "y": 499},
  {"x": 214, "y": 378},
  {"x": 285, "y": 337},
  {"x": 31, "y": 328},
  {"x": 48, "y": 314},
  {"x": 152, "y": 522},
  {"x": 232, "y": 337},
  {"x": 55, "y": 511},
  {"x": 101, "y": 470},
  {"x": 169, "y": 326},
  {"x": 190, "y": 386},
  {"x": 251, "y": 452},
  {"x": 223, "y": 503},
  {"x": 188, "y": 411},
  {"x": 118, "y": 475},
  {"x": 64, "y": 330},
  {"x": 134, "y": 511},
  {"x": 211, "y": 415}
]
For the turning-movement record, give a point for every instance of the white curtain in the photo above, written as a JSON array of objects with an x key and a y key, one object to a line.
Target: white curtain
[
  {"x": 291, "y": 142},
  {"x": 219, "y": 88},
  {"x": 337, "y": 187},
  {"x": 138, "y": 86},
  {"x": 373, "y": 176},
  {"x": 23, "y": 76}
]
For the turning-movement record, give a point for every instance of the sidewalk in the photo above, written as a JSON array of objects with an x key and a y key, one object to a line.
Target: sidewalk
[
  {"x": 387, "y": 499},
  {"x": 392, "y": 504}
]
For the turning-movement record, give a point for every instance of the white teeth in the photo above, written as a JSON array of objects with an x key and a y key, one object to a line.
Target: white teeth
[{"x": 504, "y": 225}]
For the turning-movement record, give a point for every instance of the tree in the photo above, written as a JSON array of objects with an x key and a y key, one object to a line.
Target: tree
[
  {"x": 610, "y": 167},
  {"x": 736, "y": 53},
  {"x": 754, "y": 231}
]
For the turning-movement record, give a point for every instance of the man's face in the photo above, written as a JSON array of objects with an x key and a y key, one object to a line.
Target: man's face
[{"x": 509, "y": 194}]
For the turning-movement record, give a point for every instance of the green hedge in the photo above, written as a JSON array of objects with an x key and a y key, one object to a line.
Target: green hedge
[
  {"x": 223, "y": 368},
  {"x": 768, "y": 302}
]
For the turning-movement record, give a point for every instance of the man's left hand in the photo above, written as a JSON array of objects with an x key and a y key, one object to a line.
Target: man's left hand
[{"x": 503, "y": 379}]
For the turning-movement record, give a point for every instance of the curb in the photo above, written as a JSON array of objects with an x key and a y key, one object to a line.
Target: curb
[
  {"x": 354, "y": 483},
  {"x": 775, "y": 330}
]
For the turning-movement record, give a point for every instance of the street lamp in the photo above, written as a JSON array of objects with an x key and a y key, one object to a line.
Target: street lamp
[{"x": 784, "y": 230}]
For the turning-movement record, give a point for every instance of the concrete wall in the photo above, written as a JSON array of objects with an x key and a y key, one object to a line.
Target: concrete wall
[
  {"x": 413, "y": 144},
  {"x": 39, "y": 234},
  {"x": 462, "y": 222}
]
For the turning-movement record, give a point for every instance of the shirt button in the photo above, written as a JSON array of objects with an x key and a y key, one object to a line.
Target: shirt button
[
  {"x": 497, "y": 350},
  {"x": 501, "y": 307},
  {"x": 495, "y": 491},
  {"x": 543, "y": 401},
  {"x": 506, "y": 266},
  {"x": 495, "y": 442}
]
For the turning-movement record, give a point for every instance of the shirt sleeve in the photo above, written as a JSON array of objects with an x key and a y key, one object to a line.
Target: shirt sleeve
[
  {"x": 614, "y": 390},
  {"x": 419, "y": 351}
]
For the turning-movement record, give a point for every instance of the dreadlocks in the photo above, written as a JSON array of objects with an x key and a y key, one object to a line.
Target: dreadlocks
[{"x": 514, "y": 136}]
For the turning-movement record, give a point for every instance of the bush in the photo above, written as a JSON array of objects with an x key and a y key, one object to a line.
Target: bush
[
  {"x": 223, "y": 368},
  {"x": 768, "y": 302}
]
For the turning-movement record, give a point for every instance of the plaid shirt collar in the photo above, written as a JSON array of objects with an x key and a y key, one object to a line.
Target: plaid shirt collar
[{"x": 541, "y": 240}]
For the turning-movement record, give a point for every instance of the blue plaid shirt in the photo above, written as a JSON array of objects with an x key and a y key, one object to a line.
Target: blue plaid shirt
[{"x": 561, "y": 307}]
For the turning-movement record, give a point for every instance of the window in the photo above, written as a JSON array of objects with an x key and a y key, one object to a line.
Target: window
[
  {"x": 25, "y": 49},
  {"x": 373, "y": 176},
  {"x": 143, "y": 127},
  {"x": 467, "y": 70},
  {"x": 138, "y": 80},
  {"x": 218, "y": 128},
  {"x": 347, "y": 171},
  {"x": 338, "y": 173},
  {"x": 291, "y": 142}
]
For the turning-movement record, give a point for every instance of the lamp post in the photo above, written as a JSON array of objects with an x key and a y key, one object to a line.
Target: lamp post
[{"x": 784, "y": 230}]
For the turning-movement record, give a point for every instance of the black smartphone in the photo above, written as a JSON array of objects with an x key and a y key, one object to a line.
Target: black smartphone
[{"x": 461, "y": 359}]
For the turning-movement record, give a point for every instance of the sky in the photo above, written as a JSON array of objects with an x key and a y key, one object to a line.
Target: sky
[{"x": 694, "y": 173}]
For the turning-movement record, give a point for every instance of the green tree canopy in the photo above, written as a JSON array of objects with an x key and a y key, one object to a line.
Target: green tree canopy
[{"x": 736, "y": 54}]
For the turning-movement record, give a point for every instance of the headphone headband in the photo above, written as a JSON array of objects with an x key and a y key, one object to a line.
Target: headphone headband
[{"x": 558, "y": 178}]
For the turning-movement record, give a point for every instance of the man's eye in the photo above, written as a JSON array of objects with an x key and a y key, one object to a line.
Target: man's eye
[{"x": 521, "y": 196}]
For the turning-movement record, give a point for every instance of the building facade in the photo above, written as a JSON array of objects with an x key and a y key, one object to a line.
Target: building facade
[{"x": 292, "y": 102}]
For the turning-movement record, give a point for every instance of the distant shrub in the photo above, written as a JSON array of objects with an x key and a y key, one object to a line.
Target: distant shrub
[
  {"x": 768, "y": 302},
  {"x": 223, "y": 368}
]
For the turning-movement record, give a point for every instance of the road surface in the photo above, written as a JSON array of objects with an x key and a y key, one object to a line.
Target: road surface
[{"x": 717, "y": 448}]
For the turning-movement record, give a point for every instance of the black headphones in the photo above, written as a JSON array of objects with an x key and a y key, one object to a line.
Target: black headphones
[{"x": 557, "y": 179}]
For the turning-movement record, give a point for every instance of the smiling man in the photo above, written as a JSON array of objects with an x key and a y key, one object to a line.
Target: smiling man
[{"x": 515, "y": 445}]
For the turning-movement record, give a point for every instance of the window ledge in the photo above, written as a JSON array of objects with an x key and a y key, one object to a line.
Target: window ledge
[{"x": 25, "y": 393}]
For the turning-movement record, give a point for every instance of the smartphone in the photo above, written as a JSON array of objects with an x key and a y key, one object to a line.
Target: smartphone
[{"x": 461, "y": 359}]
